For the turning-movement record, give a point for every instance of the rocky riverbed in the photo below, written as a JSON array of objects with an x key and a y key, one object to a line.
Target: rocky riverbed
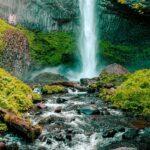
[{"x": 78, "y": 120}]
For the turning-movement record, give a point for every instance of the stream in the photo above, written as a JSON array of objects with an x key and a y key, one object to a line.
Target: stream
[{"x": 66, "y": 125}]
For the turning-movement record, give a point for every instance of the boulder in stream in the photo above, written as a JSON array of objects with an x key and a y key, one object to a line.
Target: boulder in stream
[
  {"x": 115, "y": 69},
  {"x": 109, "y": 133},
  {"x": 48, "y": 77},
  {"x": 89, "y": 110},
  {"x": 130, "y": 134},
  {"x": 125, "y": 148}
]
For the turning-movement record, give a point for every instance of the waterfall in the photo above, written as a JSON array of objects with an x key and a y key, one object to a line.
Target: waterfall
[{"x": 88, "y": 44}]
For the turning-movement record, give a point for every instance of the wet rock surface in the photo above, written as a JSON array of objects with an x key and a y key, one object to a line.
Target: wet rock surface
[
  {"x": 47, "y": 77},
  {"x": 115, "y": 69},
  {"x": 107, "y": 129}
]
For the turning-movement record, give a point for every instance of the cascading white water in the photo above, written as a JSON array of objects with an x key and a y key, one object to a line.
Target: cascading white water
[{"x": 88, "y": 40}]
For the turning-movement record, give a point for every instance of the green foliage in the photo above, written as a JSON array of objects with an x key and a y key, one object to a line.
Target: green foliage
[
  {"x": 117, "y": 53},
  {"x": 123, "y": 53},
  {"x": 134, "y": 93},
  {"x": 36, "y": 98},
  {"x": 52, "y": 48},
  {"x": 138, "y": 5},
  {"x": 14, "y": 94},
  {"x": 53, "y": 89},
  {"x": 111, "y": 79},
  {"x": 3, "y": 127}
]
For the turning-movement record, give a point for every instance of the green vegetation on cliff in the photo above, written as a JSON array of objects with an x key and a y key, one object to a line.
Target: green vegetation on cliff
[
  {"x": 14, "y": 94},
  {"x": 125, "y": 54},
  {"x": 52, "y": 48},
  {"x": 134, "y": 4},
  {"x": 53, "y": 89},
  {"x": 3, "y": 127},
  {"x": 133, "y": 94},
  {"x": 4, "y": 27}
]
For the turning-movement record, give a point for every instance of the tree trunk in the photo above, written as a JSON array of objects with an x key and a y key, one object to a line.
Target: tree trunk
[{"x": 20, "y": 125}]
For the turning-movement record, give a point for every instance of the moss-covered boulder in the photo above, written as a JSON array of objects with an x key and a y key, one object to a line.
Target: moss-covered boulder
[
  {"x": 3, "y": 128},
  {"x": 53, "y": 89},
  {"x": 48, "y": 77},
  {"x": 15, "y": 95},
  {"x": 22, "y": 49},
  {"x": 134, "y": 93}
]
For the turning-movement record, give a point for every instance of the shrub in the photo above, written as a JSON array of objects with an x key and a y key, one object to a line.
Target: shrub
[
  {"x": 14, "y": 94},
  {"x": 3, "y": 127},
  {"x": 36, "y": 98},
  {"x": 134, "y": 93}
]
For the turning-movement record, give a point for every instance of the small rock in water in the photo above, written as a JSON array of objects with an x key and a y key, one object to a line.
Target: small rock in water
[
  {"x": 109, "y": 133},
  {"x": 130, "y": 134},
  {"x": 2, "y": 146},
  {"x": 12, "y": 146},
  {"x": 49, "y": 141},
  {"x": 120, "y": 129},
  {"x": 145, "y": 136},
  {"x": 42, "y": 148},
  {"x": 38, "y": 91},
  {"x": 85, "y": 81},
  {"x": 42, "y": 138},
  {"x": 59, "y": 137},
  {"x": 41, "y": 106},
  {"x": 125, "y": 148},
  {"x": 105, "y": 112},
  {"x": 58, "y": 110},
  {"x": 69, "y": 137},
  {"x": 69, "y": 131},
  {"x": 89, "y": 110},
  {"x": 60, "y": 100}
]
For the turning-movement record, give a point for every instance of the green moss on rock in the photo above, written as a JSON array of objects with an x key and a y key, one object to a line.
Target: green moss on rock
[
  {"x": 109, "y": 80},
  {"x": 4, "y": 27},
  {"x": 52, "y": 48},
  {"x": 3, "y": 128},
  {"x": 133, "y": 94},
  {"x": 14, "y": 94},
  {"x": 53, "y": 89},
  {"x": 125, "y": 54},
  {"x": 36, "y": 98}
]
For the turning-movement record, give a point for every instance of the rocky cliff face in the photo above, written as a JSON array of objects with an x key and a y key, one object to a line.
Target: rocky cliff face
[
  {"x": 16, "y": 57},
  {"x": 44, "y": 15},
  {"x": 125, "y": 31},
  {"x": 121, "y": 23}
]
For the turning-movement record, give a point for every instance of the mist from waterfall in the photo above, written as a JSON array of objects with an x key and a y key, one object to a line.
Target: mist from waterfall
[{"x": 88, "y": 39}]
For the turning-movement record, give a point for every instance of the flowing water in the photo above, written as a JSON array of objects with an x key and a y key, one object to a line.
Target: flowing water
[
  {"x": 70, "y": 130},
  {"x": 88, "y": 44}
]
